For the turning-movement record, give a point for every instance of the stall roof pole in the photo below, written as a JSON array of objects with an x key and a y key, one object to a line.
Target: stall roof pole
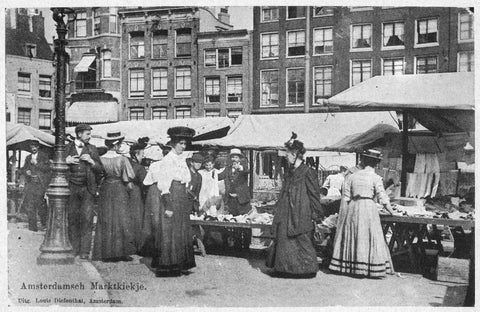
[{"x": 403, "y": 176}]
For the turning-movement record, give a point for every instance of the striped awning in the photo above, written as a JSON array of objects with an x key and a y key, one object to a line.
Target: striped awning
[
  {"x": 84, "y": 64},
  {"x": 92, "y": 112}
]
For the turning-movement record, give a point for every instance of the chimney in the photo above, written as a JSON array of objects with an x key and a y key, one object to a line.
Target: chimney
[
  {"x": 223, "y": 16},
  {"x": 23, "y": 20},
  {"x": 38, "y": 25}
]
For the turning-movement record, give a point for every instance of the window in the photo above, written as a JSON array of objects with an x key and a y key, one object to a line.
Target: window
[
  {"x": 159, "y": 113},
  {"x": 323, "y": 82},
  {"x": 295, "y": 86},
  {"x": 466, "y": 61},
  {"x": 81, "y": 24},
  {"x": 210, "y": 58},
  {"x": 45, "y": 86},
  {"x": 183, "y": 82},
  {"x": 182, "y": 112},
  {"x": 426, "y": 65},
  {"x": 23, "y": 84},
  {"x": 137, "y": 113},
  {"x": 427, "y": 31},
  {"x": 393, "y": 66},
  {"x": 159, "y": 44},
  {"x": 112, "y": 18},
  {"x": 361, "y": 36},
  {"x": 465, "y": 26},
  {"x": 234, "y": 114},
  {"x": 361, "y": 71},
  {"x": 137, "y": 82},
  {"x": 236, "y": 56},
  {"x": 212, "y": 90},
  {"x": 296, "y": 43},
  {"x": 45, "y": 119},
  {"x": 269, "y": 45},
  {"x": 107, "y": 63},
  {"x": 234, "y": 89},
  {"x": 184, "y": 42},
  {"x": 322, "y": 11},
  {"x": 360, "y": 8},
  {"x": 269, "y": 14},
  {"x": 30, "y": 50},
  {"x": 323, "y": 40},
  {"x": 96, "y": 22},
  {"x": 393, "y": 34},
  {"x": 269, "y": 82},
  {"x": 296, "y": 12},
  {"x": 212, "y": 113},
  {"x": 24, "y": 116},
  {"x": 223, "y": 58},
  {"x": 159, "y": 81},
  {"x": 137, "y": 45}
]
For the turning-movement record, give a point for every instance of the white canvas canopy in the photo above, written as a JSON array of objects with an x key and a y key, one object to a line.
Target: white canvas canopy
[
  {"x": 426, "y": 91},
  {"x": 19, "y": 135},
  {"x": 156, "y": 130},
  {"x": 315, "y": 130}
]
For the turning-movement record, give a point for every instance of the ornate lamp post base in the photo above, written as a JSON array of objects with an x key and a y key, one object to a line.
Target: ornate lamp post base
[{"x": 55, "y": 258}]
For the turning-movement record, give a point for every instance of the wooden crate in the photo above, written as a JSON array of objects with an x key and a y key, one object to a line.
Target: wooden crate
[{"x": 452, "y": 270}]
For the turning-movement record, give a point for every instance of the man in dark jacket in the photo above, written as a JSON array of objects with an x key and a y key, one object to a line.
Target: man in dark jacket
[
  {"x": 35, "y": 177},
  {"x": 85, "y": 171},
  {"x": 237, "y": 191}
]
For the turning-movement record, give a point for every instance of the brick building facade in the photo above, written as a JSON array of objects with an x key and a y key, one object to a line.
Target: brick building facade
[
  {"x": 30, "y": 73},
  {"x": 296, "y": 69}
]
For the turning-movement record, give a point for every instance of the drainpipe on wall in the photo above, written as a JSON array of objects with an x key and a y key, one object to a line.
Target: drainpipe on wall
[
  {"x": 122, "y": 109},
  {"x": 307, "y": 61}
]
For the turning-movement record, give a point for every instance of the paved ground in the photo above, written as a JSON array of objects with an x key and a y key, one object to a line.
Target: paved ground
[{"x": 217, "y": 281}]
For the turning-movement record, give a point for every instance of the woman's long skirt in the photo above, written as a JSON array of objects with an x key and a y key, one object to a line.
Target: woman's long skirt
[
  {"x": 137, "y": 210},
  {"x": 359, "y": 246},
  {"x": 113, "y": 236}
]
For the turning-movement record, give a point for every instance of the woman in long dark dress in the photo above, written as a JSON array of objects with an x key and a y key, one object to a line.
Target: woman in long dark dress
[
  {"x": 137, "y": 193},
  {"x": 114, "y": 239},
  {"x": 170, "y": 208},
  {"x": 293, "y": 253}
]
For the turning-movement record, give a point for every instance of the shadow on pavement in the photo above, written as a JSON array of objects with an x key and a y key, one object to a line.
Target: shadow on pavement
[{"x": 454, "y": 297}]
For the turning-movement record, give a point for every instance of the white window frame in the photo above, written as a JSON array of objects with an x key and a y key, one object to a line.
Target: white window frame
[
  {"x": 25, "y": 92},
  {"x": 110, "y": 14},
  {"x": 175, "y": 84},
  {"x": 324, "y": 15},
  {"x": 459, "y": 30},
  {"x": 212, "y": 111},
  {"x": 278, "y": 88},
  {"x": 286, "y": 88},
  {"x": 286, "y": 43},
  {"x": 424, "y": 56},
  {"x": 360, "y": 8},
  {"x": 217, "y": 78},
  {"x": 129, "y": 83},
  {"x": 226, "y": 88},
  {"x": 31, "y": 47},
  {"x": 313, "y": 82},
  {"x": 473, "y": 60},
  {"x": 151, "y": 46},
  {"x": 152, "y": 84},
  {"x": 191, "y": 42},
  {"x": 351, "y": 69},
  {"x": 296, "y": 18},
  {"x": 104, "y": 63},
  {"x": 183, "y": 108},
  {"x": 352, "y": 49},
  {"x": 138, "y": 109},
  {"x": 162, "y": 109},
  {"x": 40, "y": 126},
  {"x": 75, "y": 25},
  {"x": 40, "y": 77},
  {"x": 262, "y": 19},
  {"x": 393, "y": 58},
  {"x": 313, "y": 37},
  {"x": 397, "y": 47},
  {"x": 130, "y": 47},
  {"x": 96, "y": 14},
  {"x": 428, "y": 44},
  {"x": 24, "y": 109},
  {"x": 261, "y": 40},
  {"x": 205, "y": 58}
]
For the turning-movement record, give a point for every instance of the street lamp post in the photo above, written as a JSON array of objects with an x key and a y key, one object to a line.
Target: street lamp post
[{"x": 56, "y": 247}]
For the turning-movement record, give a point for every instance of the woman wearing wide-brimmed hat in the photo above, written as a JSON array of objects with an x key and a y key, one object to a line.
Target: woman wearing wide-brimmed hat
[
  {"x": 359, "y": 245},
  {"x": 114, "y": 238},
  {"x": 168, "y": 208},
  {"x": 292, "y": 253}
]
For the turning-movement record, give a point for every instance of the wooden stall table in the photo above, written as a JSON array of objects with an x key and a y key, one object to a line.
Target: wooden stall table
[{"x": 405, "y": 229}]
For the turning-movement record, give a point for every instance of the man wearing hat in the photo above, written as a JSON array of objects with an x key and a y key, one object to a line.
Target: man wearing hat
[
  {"x": 236, "y": 183},
  {"x": 35, "y": 177},
  {"x": 85, "y": 171}
]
